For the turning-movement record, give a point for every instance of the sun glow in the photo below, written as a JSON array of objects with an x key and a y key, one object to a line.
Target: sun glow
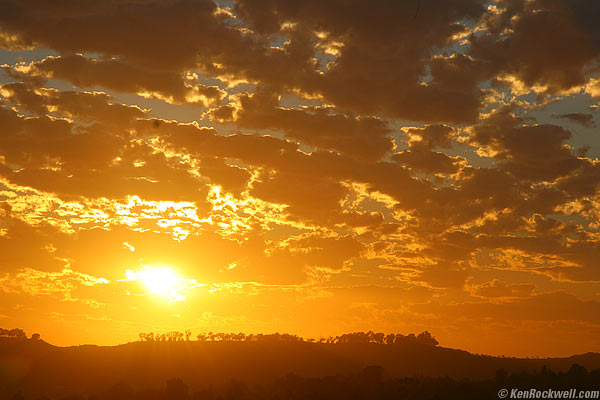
[{"x": 163, "y": 282}]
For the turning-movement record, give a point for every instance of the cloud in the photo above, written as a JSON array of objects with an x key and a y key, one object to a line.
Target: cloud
[
  {"x": 224, "y": 51},
  {"x": 429, "y": 161},
  {"x": 584, "y": 119},
  {"x": 113, "y": 74},
  {"x": 84, "y": 106},
  {"x": 61, "y": 156},
  {"x": 540, "y": 43},
  {"x": 431, "y": 136},
  {"x": 319, "y": 251},
  {"x": 25, "y": 246},
  {"x": 555, "y": 306},
  {"x": 532, "y": 152},
  {"x": 60, "y": 285},
  {"x": 365, "y": 137},
  {"x": 13, "y": 42},
  {"x": 129, "y": 37},
  {"x": 500, "y": 289},
  {"x": 385, "y": 47}
]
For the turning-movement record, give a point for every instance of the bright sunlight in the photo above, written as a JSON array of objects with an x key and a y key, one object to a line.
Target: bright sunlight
[{"x": 162, "y": 281}]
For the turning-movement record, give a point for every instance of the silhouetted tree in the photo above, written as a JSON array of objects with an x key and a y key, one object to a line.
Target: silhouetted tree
[
  {"x": 372, "y": 374},
  {"x": 426, "y": 338},
  {"x": 355, "y": 337},
  {"x": 501, "y": 375},
  {"x": 202, "y": 337},
  {"x": 176, "y": 390},
  {"x": 13, "y": 333},
  {"x": 120, "y": 391},
  {"x": 236, "y": 390}
]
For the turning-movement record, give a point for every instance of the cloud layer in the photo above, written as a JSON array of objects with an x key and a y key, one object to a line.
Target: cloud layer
[{"x": 314, "y": 167}]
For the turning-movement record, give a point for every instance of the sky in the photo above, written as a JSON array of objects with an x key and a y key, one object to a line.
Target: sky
[{"x": 306, "y": 167}]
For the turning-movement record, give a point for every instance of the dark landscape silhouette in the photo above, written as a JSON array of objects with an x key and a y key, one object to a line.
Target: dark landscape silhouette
[{"x": 360, "y": 365}]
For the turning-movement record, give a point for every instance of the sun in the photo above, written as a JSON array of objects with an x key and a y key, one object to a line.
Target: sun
[{"x": 162, "y": 281}]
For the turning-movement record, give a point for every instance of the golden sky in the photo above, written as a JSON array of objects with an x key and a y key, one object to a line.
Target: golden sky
[{"x": 306, "y": 167}]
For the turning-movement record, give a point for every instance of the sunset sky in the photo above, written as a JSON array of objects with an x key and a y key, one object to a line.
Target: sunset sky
[{"x": 310, "y": 167}]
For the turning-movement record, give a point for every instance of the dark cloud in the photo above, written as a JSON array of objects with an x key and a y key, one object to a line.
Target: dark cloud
[
  {"x": 431, "y": 136},
  {"x": 533, "y": 152},
  {"x": 84, "y": 106},
  {"x": 429, "y": 161},
  {"x": 113, "y": 74},
  {"x": 132, "y": 32},
  {"x": 359, "y": 137},
  {"x": 58, "y": 156},
  {"x": 584, "y": 119},
  {"x": 538, "y": 42},
  {"x": 363, "y": 78}
]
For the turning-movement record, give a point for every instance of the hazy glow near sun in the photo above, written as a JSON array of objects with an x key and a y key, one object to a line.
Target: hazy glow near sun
[{"x": 162, "y": 281}]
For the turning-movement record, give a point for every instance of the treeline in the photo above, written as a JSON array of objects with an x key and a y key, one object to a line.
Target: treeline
[
  {"x": 368, "y": 384},
  {"x": 356, "y": 337},
  {"x": 17, "y": 333},
  {"x": 176, "y": 336},
  {"x": 173, "y": 336}
]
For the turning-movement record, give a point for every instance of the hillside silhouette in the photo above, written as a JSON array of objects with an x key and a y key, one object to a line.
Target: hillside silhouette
[{"x": 239, "y": 366}]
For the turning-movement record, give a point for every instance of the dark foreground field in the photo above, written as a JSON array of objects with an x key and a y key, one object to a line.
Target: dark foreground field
[{"x": 33, "y": 369}]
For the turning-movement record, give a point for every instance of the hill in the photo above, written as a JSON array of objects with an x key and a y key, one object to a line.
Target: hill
[{"x": 38, "y": 368}]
